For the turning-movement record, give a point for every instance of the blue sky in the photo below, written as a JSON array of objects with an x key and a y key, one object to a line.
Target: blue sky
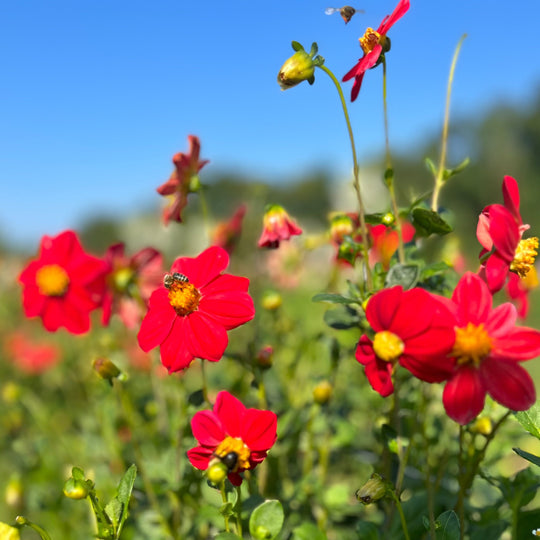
[{"x": 97, "y": 95}]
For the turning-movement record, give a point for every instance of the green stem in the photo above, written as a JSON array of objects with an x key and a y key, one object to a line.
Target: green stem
[
  {"x": 401, "y": 515},
  {"x": 356, "y": 182},
  {"x": 205, "y": 213},
  {"x": 224, "y": 499},
  {"x": 238, "y": 510},
  {"x": 204, "y": 382},
  {"x": 439, "y": 179}
]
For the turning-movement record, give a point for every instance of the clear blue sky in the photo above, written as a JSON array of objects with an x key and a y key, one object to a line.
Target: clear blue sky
[{"x": 97, "y": 95}]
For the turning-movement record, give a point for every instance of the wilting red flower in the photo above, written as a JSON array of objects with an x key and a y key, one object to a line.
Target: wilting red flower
[
  {"x": 518, "y": 290},
  {"x": 232, "y": 428},
  {"x": 374, "y": 44},
  {"x": 64, "y": 284},
  {"x": 130, "y": 282},
  {"x": 500, "y": 229},
  {"x": 277, "y": 226},
  {"x": 31, "y": 356},
  {"x": 412, "y": 328},
  {"x": 486, "y": 353},
  {"x": 385, "y": 241},
  {"x": 189, "y": 315},
  {"x": 187, "y": 167},
  {"x": 227, "y": 233}
]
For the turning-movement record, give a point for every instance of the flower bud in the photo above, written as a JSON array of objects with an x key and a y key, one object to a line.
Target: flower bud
[
  {"x": 265, "y": 356},
  {"x": 322, "y": 392},
  {"x": 9, "y": 533},
  {"x": 11, "y": 392},
  {"x": 482, "y": 425},
  {"x": 299, "y": 67},
  {"x": 216, "y": 472},
  {"x": 388, "y": 219},
  {"x": 14, "y": 493},
  {"x": 106, "y": 369},
  {"x": 75, "y": 489},
  {"x": 373, "y": 490},
  {"x": 271, "y": 300}
]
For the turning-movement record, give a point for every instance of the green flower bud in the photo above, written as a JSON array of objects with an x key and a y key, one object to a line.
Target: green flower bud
[
  {"x": 9, "y": 533},
  {"x": 373, "y": 490},
  {"x": 75, "y": 489},
  {"x": 217, "y": 472},
  {"x": 299, "y": 67},
  {"x": 106, "y": 369},
  {"x": 322, "y": 392},
  {"x": 271, "y": 300}
]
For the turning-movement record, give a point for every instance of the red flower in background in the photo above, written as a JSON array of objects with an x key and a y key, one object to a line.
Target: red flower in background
[
  {"x": 385, "y": 241},
  {"x": 227, "y": 234},
  {"x": 374, "y": 44},
  {"x": 187, "y": 167},
  {"x": 486, "y": 353},
  {"x": 131, "y": 281},
  {"x": 277, "y": 226},
  {"x": 232, "y": 428},
  {"x": 189, "y": 315},
  {"x": 32, "y": 357},
  {"x": 412, "y": 328},
  {"x": 518, "y": 290},
  {"x": 64, "y": 284},
  {"x": 500, "y": 229}
]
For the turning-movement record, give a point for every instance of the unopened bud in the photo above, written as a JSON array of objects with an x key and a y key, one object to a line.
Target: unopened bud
[
  {"x": 9, "y": 533},
  {"x": 388, "y": 218},
  {"x": 265, "y": 357},
  {"x": 14, "y": 493},
  {"x": 271, "y": 300},
  {"x": 75, "y": 489},
  {"x": 482, "y": 425},
  {"x": 322, "y": 392},
  {"x": 299, "y": 67},
  {"x": 373, "y": 490},
  {"x": 216, "y": 472},
  {"x": 106, "y": 369},
  {"x": 11, "y": 392}
]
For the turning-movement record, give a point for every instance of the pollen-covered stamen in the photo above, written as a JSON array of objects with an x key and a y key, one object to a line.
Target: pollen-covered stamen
[
  {"x": 236, "y": 445},
  {"x": 184, "y": 297},
  {"x": 388, "y": 346},
  {"x": 52, "y": 280},
  {"x": 525, "y": 256},
  {"x": 369, "y": 40},
  {"x": 472, "y": 344}
]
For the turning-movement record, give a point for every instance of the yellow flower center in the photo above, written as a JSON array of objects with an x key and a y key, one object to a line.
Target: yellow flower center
[
  {"x": 184, "y": 297},
  {"x": 52, "y": 280},
  {"x": 388, "y": 346},
  {"x": 525, "y": 256},
  {"x": 236, "y": 445},
  {"x": 122, "y": 279},
  {"x": 472, "y": 344},
  {"x": 372, "y": 38}
]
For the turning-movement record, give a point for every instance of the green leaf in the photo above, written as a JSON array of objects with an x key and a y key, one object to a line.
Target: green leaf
[
  {"x": 196, "y": 398},
  {"x": 296, "y": 46},
  {"x": 374, "y": 219},
  {"x": 529, "y": 457},
  {"x": 227, "y": 536},
  {"x": 333, "y": 298},
  {"x": 78, "y": 474},
  {"x": 447, "y": 526},
  {"x": 367, "y": 531},
  {"x": 406, "y": 275},
  {"x": 226, "y": 509},
  {"x": 428, "y": 222},
  {"x": 114, "y": 511},
  {"x": 266, "y": 520},
  {"x": 435, "y": 269},
  {"x": 314, "y": 49},
  {"x": 530, "y": 420},
  {"x": 448, "y": 173},
  {"x": 341, "y": 318},
  {"x": 125, "y": 487},
  {"x": 430, "y": 166},
  {"x": 308, "y": 531}
]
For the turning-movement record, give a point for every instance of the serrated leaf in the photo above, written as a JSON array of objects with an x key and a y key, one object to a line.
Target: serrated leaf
[
  {"x": 429, "y": 222},
  {"x": 406, "y": 275},
  {"x": 447, "y": 526},
  {"x": 530, "y": 420},
  {"x": 266, "y": 520},
  {"x": 526, "y": 455},
  {"x": 333, "y": 298}
]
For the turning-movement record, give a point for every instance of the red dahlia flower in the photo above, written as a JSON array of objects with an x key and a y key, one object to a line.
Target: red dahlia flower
[
  {"x": 231, "y": 428},
  {"x": 32, "y": 357},
  {"x": 385, "y": 241},
  {"x": 189, "y": 315},
  {"x": 227, "y": 233},
  {"x": 179, "y": 185},
  {"x": 412, "y": 328},
  {"x": 518, "y": 290},
  {"x": 130, "y": 282},
  {"x": 500, "y": 229},
  {"x": 277, "y": 226},
  {"x": 487, "y": 349},
  {"x": 64, "y": 284},
  {"x": 374, "y": 44}
]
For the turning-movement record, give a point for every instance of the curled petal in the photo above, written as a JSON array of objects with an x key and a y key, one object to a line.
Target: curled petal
[
  {"x": 390, "y": 20},
  {"x": 464, "y": 395},
  {"x": 200, "y": 457},
  {"x": 364, "y": 351},
  {"x": 510, "y": 191},
  {"x": 379, "y": 375}
]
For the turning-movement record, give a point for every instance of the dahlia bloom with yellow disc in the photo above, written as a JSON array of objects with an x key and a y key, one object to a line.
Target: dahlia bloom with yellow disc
[
  {"x": 189, "y": 315},
  {"x": 64, "y": 284},
  {"x": 486, "y": 353},
  {"x": 232, "y": 434}
]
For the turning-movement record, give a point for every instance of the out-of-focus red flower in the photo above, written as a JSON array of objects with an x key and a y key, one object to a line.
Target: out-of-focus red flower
[
  {"x": 189, "y": 315},
  {"x": 227, "y": 233},
  {"x": 130, "y": 282},
  {"x": 486, "y": 353},
  {"x": 374, "y": 44},
  {"x": 64, "y": 284},
  {"x": 277, "y": 226},
  {"x": 179, "y": 185},
  {"x": 412, "y": 328},
  {"x": 345, "y": 237},
  {"x": 232, "y": 428},
  {"x": 518, "y": 290},
  {"x": 32, "y": 357},
  {"x": 385, "y": 241},
  {"x": 500, "y": 230}
]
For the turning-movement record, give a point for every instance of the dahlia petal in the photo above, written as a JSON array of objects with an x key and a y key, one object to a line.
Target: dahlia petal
[
  {"x": 174, "y": 351},
  {"x": 482, "y": 230},
  {"x": 508, "y": 384},
  {"x": 229, "y": 310},
  {"x": 379, "y": 375},
  {"x": 510, "y": 191},
  {"x": 518, "y": 344},
  {"x": 226, "y": 283},
  {"x": 204, "y": 337},
  {"x": 61, "y": 249},
  {"x": 231, "y": 412},
  {"x": 501, "y": 320},
  {"x": 504, "y": 231},
  {"x": 496, "y": 271},
  {"x": 33, "y": 301},
  {"x": 259, "y": 429},
  {"x": 364, "y": 351},
  {"x": 235, "y": 479},
  {"x": 200, "y": 457},
  {"x": 431, "y": 369},
  {"x": 390, "y": 20},
  {"x": 473, "y": 300},
  {"x": 204, "y": 268},
  {"x": 158, "y": 321},
  {"x": 414, "y": 313},
  {"x": 464, "y": 395},
  {"x": 208, "y": 429},
  {"x": 382, "y": 308},
  {"x": 357, "y": 85},
  {"x": 256, "y": 457}
]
